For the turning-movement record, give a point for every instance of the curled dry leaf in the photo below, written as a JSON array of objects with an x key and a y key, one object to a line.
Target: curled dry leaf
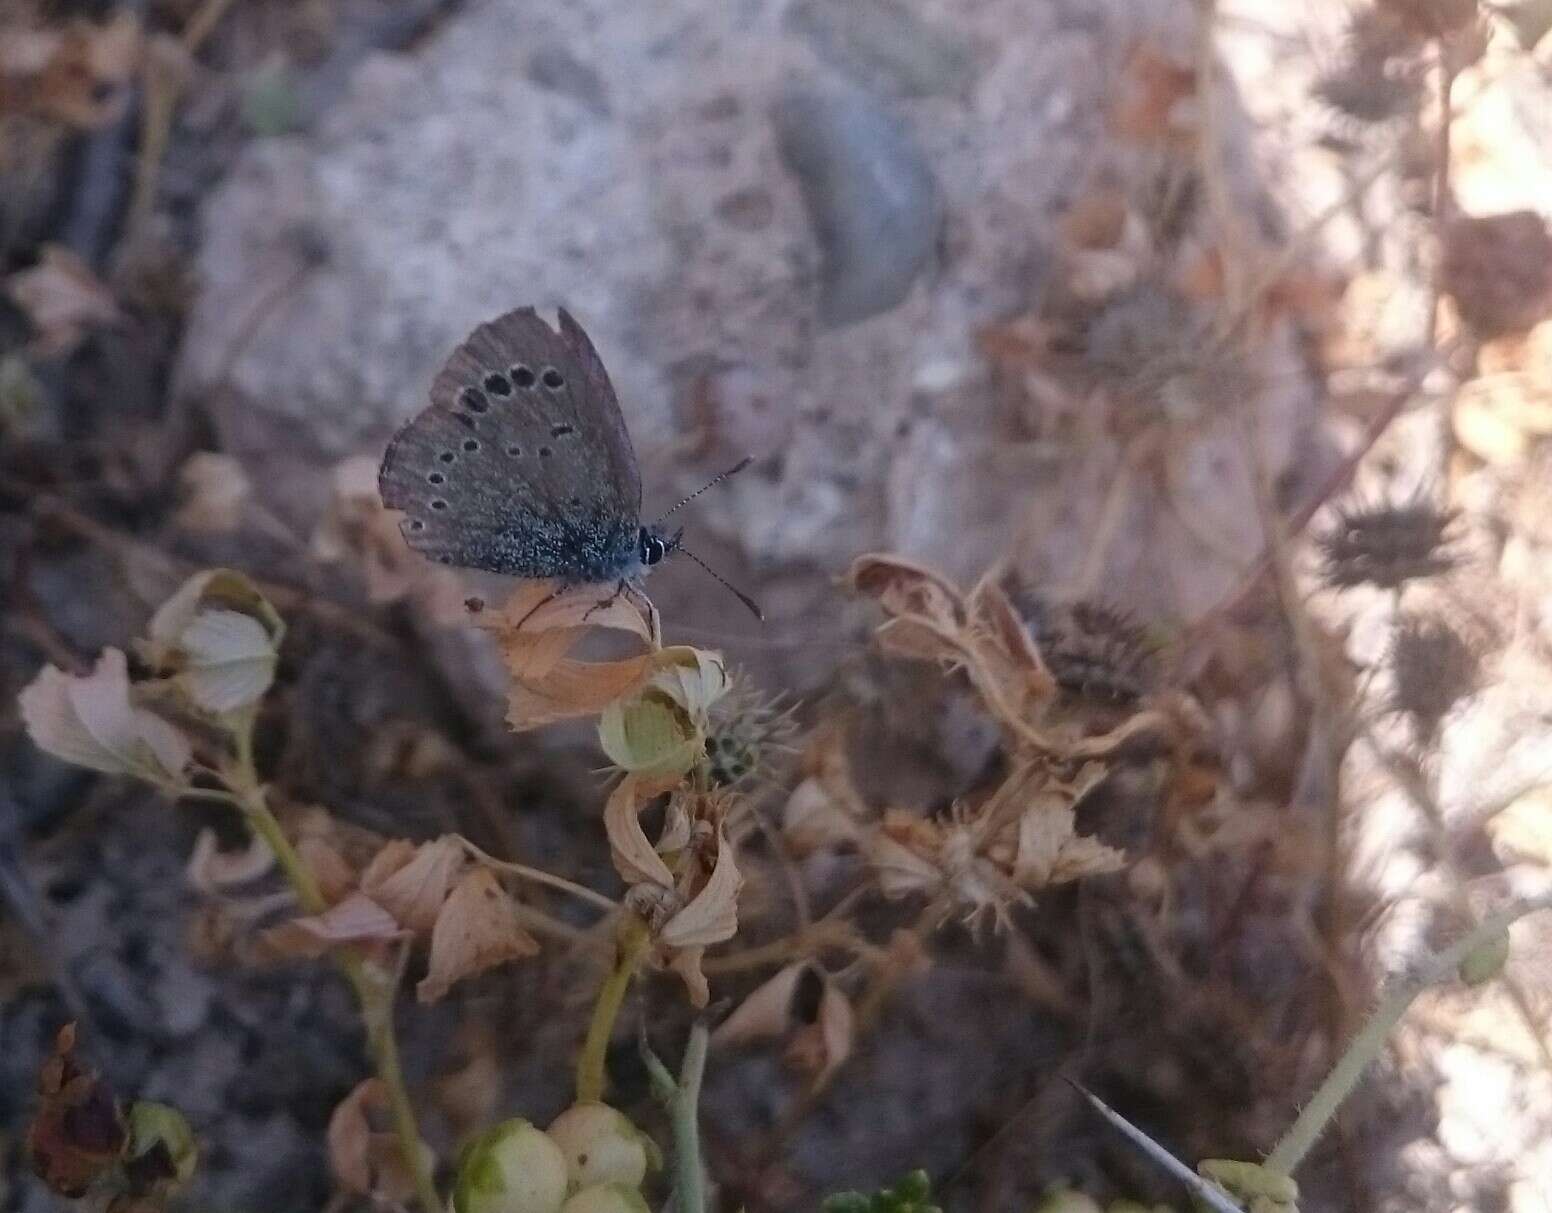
[
  {"x": 63, "y": 299},
  {"x": 215, "y": 494},
  {"x": 1051, "y": 851},
  {"x": 68, "y": 72},
  {"x": 413, "y": 882},
  {"x": 635, "y": 858},
  {"x": 218, "y": 639},
  {"x": 364, "y": 1159},
  {"x": 90, "y": 721},
  {"x": 822, "y": 1046},
  {"x": 331, "y": 870},
  {"x": 353, "y": 922},
  {"x": 77, "y": 1133},
  {"x": 767, "y": 1012},
  {"x": 477, "y": 929},
  {"x": 212, "y": 870},
  {"x": 712, "y": 914},
  {"x": 356, "y": 527},
  {"x": 813, "y": 821},
  {"x": 690, "y": 904},
  {"x": 537, "y": 629}
]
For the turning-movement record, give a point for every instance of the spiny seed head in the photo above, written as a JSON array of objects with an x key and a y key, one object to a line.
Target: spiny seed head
[
  {"x": 1433, "y": 669},
  {"x": 1386, "y": 545},
  {"x": 1379, "y": 74},
  {"x": 747, "y": 730},
  {"x": 1092, "y": 649}
]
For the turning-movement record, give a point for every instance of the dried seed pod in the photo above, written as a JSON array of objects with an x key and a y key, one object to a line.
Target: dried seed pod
[
  {"x": 1386, "y": 545},
  {"x": 1433, "y": 667}
]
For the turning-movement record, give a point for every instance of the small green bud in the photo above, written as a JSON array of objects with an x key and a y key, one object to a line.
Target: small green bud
[
  {"x": 606, "y": 1198},
  {"x": 512, "y": 1168},
  {"x": 161, "y": 1144},
  {"x": 1486, "y": 961},
  {"x": 601, "y": 1146}
]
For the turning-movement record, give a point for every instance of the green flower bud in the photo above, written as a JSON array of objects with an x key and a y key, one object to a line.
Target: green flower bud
[
  {"x": 512, "y": 1168},
  {"x": 606, "y": 1198},
  {"x": 601, "y": 1146},
  {"x": 161, "y": 1144}
]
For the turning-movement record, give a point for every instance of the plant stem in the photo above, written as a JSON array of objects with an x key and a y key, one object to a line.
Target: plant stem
[
  {"x": 629, "y": 945},
  {"x": 374, "y": 990},
  {"x": 1371, "y": 1038},
  {"x": 684, "y": 1113},
  {"x": 683, "y": 1100}
]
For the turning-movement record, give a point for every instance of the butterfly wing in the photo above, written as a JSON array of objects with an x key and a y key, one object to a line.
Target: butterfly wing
[{"x": 522, "y": 463}]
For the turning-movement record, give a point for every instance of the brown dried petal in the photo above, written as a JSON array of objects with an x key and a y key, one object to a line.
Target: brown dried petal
[
  {"x": 356, "y": 920},
  {"x": 766, "y": 1012},
  {"x": 415, "y": 891},
  {"x": 477, "y": 929},
  {"x": 212, "y": 870}
]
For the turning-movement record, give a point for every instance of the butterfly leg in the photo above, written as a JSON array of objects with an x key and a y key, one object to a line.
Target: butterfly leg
[{"x": 543, "y": 602}]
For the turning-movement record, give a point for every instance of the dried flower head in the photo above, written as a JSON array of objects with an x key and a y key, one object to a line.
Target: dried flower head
[
  {"x": 218, "y": 641},
  {"x": 684, "y": 889},
  {"x": 1433, "y": 669},
  {"x": 1379, "y": 76},
  {"x": 1431, "y": 18},
  {"x": 94, "y": 721},
  {"x": 1092, "y": 649},
  {"x": 1386, "y": 545}
]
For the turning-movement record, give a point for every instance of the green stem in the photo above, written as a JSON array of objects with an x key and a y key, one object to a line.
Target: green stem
[
  {"x": 1371, "y": 1038},
  {"x": 683, "y": 1099},
  {"x": 374, "y": 990},
  {"x": 684, "y": 1114},
  {"x": 629, "y": 945}
]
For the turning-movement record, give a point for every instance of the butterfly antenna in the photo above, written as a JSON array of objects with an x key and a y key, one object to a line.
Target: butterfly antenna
[
  {"x": 712, "y": 483},
  {"x": 744, "y": 598}
]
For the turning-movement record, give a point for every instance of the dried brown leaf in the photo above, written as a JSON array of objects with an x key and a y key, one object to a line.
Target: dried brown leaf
[
  {"x": 215, "y": 490},
  {"x": 366, "y": 1160},
  {"x": 635, "y": 859},
  {"x": 414, "y": 892},
  {"x": 355, "y": 920},
  {"x": 540, "y": 625},
  {"x": 767, "y": 1012},
  {"x": 477, "y": 929},
  {"x": 63, "y": 299},
  {"x": 212, "y": 870}
]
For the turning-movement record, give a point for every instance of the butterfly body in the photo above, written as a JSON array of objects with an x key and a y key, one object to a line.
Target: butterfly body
[{"x": 522, "y": 464}]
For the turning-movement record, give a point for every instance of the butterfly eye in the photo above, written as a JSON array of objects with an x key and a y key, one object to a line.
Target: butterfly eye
[
  {"x": 523, "y": 376},
  {"x": 553, "y": 379}
]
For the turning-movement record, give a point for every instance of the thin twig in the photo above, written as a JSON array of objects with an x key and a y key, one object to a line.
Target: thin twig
[{"x": 539, "y": 876}]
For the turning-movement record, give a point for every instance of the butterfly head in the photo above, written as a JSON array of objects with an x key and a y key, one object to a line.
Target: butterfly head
[{"x": 654, "y": 544}]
